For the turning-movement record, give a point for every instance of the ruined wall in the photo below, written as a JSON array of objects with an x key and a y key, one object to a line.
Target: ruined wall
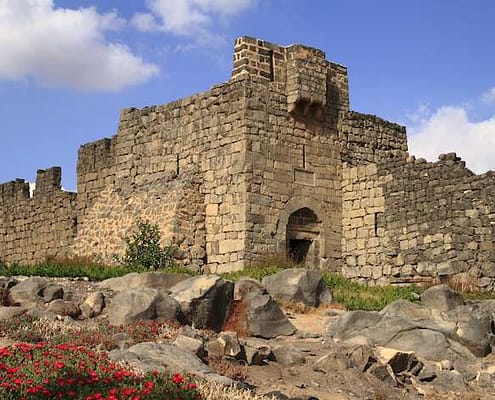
[
  {"x": 419, "y": 219},
  {"x": 175, "y": 165},
  {"x": 37, "y": 228},
  {"x": 369, "y": 139}
]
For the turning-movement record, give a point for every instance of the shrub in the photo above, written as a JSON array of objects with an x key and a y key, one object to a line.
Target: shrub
[{"x": 143, "y": 248}]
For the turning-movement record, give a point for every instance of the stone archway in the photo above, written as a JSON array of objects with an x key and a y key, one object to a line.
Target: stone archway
[
  {"x": 317, "y": 249},
  {"x": 302, "y": 236}
]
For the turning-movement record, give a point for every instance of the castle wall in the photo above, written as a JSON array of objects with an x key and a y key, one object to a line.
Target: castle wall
[
  {"x": 33, "y": 229},
  {"x": 419, "y": 219},
  {"x": 271, "y": 162},
  {"x": 369, "y": 139},
  {"x": 176, "y": 165},
  {"x": 293, "y": 157}
]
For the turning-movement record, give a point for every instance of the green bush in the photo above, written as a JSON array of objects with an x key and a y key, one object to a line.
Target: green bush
[{"x": 143, "y": 248}]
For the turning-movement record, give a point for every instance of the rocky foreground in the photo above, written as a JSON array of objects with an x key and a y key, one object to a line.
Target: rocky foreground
[{"x": 281, "y": 337}]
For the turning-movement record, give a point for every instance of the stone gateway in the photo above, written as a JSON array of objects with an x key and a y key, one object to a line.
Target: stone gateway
[{"x": 272, "y": 161}]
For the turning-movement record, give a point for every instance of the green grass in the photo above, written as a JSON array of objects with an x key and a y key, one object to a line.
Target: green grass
[
  {"x": 355, "y": 296},
  {"x": 255, "y": 272},
  {"x": 94, "y": 272}
]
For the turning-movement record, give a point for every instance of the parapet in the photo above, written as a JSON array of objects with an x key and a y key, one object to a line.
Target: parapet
[
  {"x": 309, "y": 79},
  {"x": 12, "y": 192},
  {"x": 95, "y": 156},
  {"x": 48, "y": 181}
]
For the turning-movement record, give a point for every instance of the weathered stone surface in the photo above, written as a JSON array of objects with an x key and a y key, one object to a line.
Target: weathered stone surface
[
  {"x": 441, "y": 298},
  {"x": 141, "y": 304},
  {"x": 52, "y": 292},
  {"x": 245, "y": 285},
  {"x": 93, "y": 305},
  {"x": 9, "y": 312},
  {"x": 298, "y": 285},
  {"x": 225, "y": 344},
  {"x": 64, "y": 308},
  {"x": 257, "y": 351},
  {"x": 28, "y": 291},
  {"x": 163, "y": 356},
  {"x": 450, "y": 380},
  {"x": 331, "y": 362},
  {"x": 190, "y": 344},
  {"x": 409, "y": 328},
  {"x": 152, "y": 279},
  {"x": 288, "y": 355},
  {"x": 204, "y": 300},
  {"x": 265, "y": 318},
  {"x": 399, "y": 361}
]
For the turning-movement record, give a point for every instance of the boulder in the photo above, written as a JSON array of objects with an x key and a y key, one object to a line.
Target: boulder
[
  {"x": 64, "y": 308},
  {"x": 450, "y": 380},
  {"x": 298, "y": 285},
  {"x": 149, "y": 356},
  {"x": 288, "y": 355},
  {"x": 93, "y": 305},
  {"x": 204, "y": 300},
  {"x": 10, "y": 312},
  {"x": 399, "y": 361},
  {"x": 245, "y": 285},
  {"x": 28, "y": 291},
  {"x": 265, "y": 318},
  {"x": 331, "y": 362},
  {"x": 134, "y": 280},
  {"x": 225, "y": 344},
  {"x": 441, "y": 298},
  {"x": 189, "y": 344},
  {"x": 427, "y": 338},
  {"x": 471, "y": 329},
  {"x": 257, "y": 351},
  {"x": 137, "y": 304},
  {"x": 52, "y": 292}
]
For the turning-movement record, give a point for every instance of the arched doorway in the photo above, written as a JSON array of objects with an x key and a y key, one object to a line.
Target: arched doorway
[{"x": 303, "y": 231}]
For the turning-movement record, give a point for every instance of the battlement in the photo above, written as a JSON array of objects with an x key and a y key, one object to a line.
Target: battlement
[
  {"x": 15, "y": 191},
  {"x": 48, "y": 181},
  {"x": 95, "y": 156},
  {"x": 310, "y": 80}
]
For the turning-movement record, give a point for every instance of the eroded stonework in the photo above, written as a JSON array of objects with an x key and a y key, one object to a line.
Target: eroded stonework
[{"x": 272, "y": 161}]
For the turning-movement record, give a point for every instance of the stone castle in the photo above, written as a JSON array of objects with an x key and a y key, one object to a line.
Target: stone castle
[{"x": 272, "y": 161}]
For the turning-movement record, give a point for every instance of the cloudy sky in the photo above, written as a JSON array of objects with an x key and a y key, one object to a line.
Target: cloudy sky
[{"x": 68, "y": 66}]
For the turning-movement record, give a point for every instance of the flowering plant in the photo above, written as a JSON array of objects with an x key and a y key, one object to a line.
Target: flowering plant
[{"x": 45, "y": 371}]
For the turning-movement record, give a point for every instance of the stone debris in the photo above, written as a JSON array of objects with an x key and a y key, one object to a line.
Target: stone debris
[{"x": 407, "y": 349}]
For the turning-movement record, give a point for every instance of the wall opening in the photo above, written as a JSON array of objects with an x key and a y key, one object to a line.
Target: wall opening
[{"x": 303, "y": 232}]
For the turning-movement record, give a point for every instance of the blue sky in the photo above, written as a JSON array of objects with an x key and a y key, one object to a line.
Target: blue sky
[{"x": 68, "y": 66}]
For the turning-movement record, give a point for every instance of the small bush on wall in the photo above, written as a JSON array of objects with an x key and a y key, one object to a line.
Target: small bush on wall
[{"x": 143, "y": 248}]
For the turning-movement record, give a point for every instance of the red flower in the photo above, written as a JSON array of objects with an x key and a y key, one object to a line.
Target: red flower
[
  {"x": 178, "y": 379},
  {"x": 58, "y": 364}
]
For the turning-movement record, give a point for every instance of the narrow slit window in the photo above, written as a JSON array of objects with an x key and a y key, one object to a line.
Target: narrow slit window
[
  {"x": 272, "y": 66},
  {"x": 378, "y": 216},
  {"x": 304, "y": 156}
]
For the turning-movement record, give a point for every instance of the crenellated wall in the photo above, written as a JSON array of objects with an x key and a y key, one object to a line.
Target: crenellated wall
[{"x": 39, "y": 227}]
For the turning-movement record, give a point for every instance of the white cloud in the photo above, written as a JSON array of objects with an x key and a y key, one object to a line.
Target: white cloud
[
  {"x": 188, "y": 17},
  {"x": 449, "y": 129},
  {"x": 60, "y": 47},
  {"x": 489, "y": 96}
]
